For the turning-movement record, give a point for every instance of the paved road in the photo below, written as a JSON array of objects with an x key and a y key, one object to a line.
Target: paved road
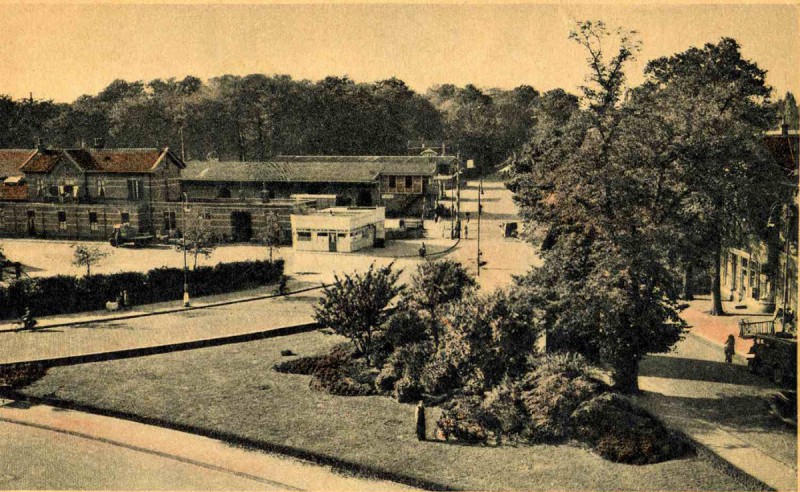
[
  {"x": 722, "y": 406},
  {"x": 48, "y": 448}
]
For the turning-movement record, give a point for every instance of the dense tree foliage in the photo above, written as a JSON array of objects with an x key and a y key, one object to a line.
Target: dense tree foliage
[
  {"x": 257, "y": 116},
  {"x": 605, "y": 288}
]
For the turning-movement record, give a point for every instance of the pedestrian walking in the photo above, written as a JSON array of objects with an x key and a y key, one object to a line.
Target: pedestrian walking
[
  {"x": 423, "y": 251},
  {"x": 466, "y": 231},
  {"x": 729, "y": 346},
  {"x": 420, "y": 414}
]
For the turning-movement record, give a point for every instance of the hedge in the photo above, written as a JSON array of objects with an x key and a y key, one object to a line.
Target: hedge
[{"x": 64, "y": 294}]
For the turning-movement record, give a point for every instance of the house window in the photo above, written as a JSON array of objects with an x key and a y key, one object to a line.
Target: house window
[
  {"x": 125, "y": 217},
  {"x": 93, "y": 221},
  {"x": 39, "y": 187},
  {"x": 52, "y": 190},
  {"x": 409, "y": 182},
  {"x": 62, "y": 220},
  {"x": 303, "y": 236},
  {"x": 392, "y": 182},
  {"x": 134, "y": 189},
  {"x": 169, "y": 221},
  {"x": 224, "y": 192},
  {"x": 101, "y": 188},
  {"x": 68, "y": 190}
]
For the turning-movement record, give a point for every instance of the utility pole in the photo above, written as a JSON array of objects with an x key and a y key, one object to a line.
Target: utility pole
[
  {"x": 458, "y": 195},
  {"x": 186, "y": 301},
  {"x": 480, "y": 192}
]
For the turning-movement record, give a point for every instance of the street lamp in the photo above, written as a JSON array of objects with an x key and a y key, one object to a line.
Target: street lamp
[{"x": 186, "y": 302}]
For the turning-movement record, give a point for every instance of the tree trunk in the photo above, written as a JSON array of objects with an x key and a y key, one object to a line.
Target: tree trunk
[
  {"x": 716, "y": 284},
  {"x": 688, "y": 290},
  {"x": 626, "y": 374}
]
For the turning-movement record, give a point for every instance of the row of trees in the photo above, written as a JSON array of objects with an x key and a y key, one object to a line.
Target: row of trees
[
  {"x": 639, "y": 187},
  {"x": 257, "y": 116}
]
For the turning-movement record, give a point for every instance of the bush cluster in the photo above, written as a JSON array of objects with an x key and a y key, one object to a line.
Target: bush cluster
[
  {"x": 338, "y": 373},
  {"x": 78, "y": 294},
  {"x": 559, "y": 400},
  {"x": 18, "y": 375}
]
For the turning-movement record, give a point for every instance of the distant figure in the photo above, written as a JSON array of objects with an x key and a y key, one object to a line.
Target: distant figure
[
  {"x": 420, "y": 414},
  {"x": 28, "y": 322},
  {"x": 423, "y": 251},
  {"x": 466, "y": 231},
  {"x": 729, "y": 345},
  {"x": 467, "y": 217}
]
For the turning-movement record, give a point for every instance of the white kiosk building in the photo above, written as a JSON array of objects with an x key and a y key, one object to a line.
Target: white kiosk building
[{"x": 339, "y": 229}]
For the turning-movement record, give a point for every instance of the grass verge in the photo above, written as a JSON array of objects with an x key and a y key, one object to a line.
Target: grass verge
[{"x": 232, "y": 392}]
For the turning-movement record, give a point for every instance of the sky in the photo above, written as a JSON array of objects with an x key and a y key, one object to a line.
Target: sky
[{"x": 60, "y": 52}]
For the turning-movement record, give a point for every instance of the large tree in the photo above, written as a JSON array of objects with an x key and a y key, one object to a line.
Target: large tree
[
  {"x": 711, "y": 108},
  {"x": 605, "y": 287}
]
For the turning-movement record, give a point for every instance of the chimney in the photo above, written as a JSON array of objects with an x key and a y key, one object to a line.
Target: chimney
[
  {"x": 39, "y": 144},
  {"x": 98, "y": 143}
]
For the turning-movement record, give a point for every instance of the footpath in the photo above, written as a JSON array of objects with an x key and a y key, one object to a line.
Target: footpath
[
  {"x": 722, "y": 407},
  {"x": 161, "y": 327}
]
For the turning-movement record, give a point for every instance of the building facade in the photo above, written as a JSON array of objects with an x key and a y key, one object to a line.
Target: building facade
[
  {"x": 762, "y": 275},
  {"x": 405, "y": 186},
  {"x": 339, "y": 229}
]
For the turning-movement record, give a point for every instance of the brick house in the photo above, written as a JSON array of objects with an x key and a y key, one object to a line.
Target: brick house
[{"x": 82, "y": 193}]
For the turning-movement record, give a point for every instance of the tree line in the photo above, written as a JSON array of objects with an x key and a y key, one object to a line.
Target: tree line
[{"x": 257, "y": 116}]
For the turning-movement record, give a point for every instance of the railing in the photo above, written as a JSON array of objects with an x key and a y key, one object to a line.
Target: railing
[{"x": 749, "y": 329}]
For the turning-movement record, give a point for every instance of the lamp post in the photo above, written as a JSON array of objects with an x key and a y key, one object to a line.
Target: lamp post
[{"x": 186, "y": 301}]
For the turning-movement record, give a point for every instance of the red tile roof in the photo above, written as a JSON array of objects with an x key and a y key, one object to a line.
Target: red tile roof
[
  {"x": 116, "y": 160},
  {"x": 11, "y": 160},
  {"x": 100, "y": 160},
  {"x": 42, "y": 162},
  {"x": 17, "y": 193}
]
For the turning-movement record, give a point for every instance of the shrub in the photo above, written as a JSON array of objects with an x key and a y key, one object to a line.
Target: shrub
[
  {"x": 407, "y": 390},
  {"x": 404, "y": 327},
  {"x": 19, "y": 375},
  {"x": 161, "y": 284},
  {"x": 553, "y": 391},
  {"x": 463, "y": 419},
  {"x": 504, "y": 411},
  {"x": 439, "y": 376},
  {"x": 620, "y": 431}
]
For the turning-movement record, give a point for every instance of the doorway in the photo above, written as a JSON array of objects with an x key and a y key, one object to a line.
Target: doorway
[
  {"x": 332, "y": 242},
  {"x": 241, "y": 226},
  {"x": 364, "y": 198},
  {"x": 31, "y": 223}
]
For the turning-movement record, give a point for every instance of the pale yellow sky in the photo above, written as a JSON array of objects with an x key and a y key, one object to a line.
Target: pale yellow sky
[{"x": 60, "y": 52}]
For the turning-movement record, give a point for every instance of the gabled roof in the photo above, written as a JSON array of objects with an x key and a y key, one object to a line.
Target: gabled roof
[
  {"x": 43, "y": 161},
  {"x": 311, "y": 169},
  {"x": 11, "y": 160},
  {"x": 101, "y": 160}
]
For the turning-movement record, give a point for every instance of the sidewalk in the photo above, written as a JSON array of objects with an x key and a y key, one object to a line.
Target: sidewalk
[
  {"x": 210, "y": 318},
  {"x": 130, "y": 455},
  {"x": 721, "y": 406},
  {"x": 717, "y": 328}
]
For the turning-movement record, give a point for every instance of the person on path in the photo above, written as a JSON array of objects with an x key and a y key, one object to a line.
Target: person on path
[
  {"x": 729, "y": 348},
  {"x": 466, "y": 231},
  {"x": 423, "y": 251}
]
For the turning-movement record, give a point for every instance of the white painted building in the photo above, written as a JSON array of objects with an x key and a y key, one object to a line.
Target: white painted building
[{"x": 339, "y": 229}]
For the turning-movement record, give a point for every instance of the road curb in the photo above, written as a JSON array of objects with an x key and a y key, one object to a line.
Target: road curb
[
  {"x": 357, "y": 469},
  {"x": 164, "y": 311},
  {"x": 71, "y": 360}
]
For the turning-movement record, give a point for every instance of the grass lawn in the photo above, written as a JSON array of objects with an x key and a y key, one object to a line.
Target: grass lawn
[{"x": 233, "y": 389}]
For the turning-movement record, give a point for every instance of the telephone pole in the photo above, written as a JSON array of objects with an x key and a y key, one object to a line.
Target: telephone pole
[{"x": 480, "y": 192}]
